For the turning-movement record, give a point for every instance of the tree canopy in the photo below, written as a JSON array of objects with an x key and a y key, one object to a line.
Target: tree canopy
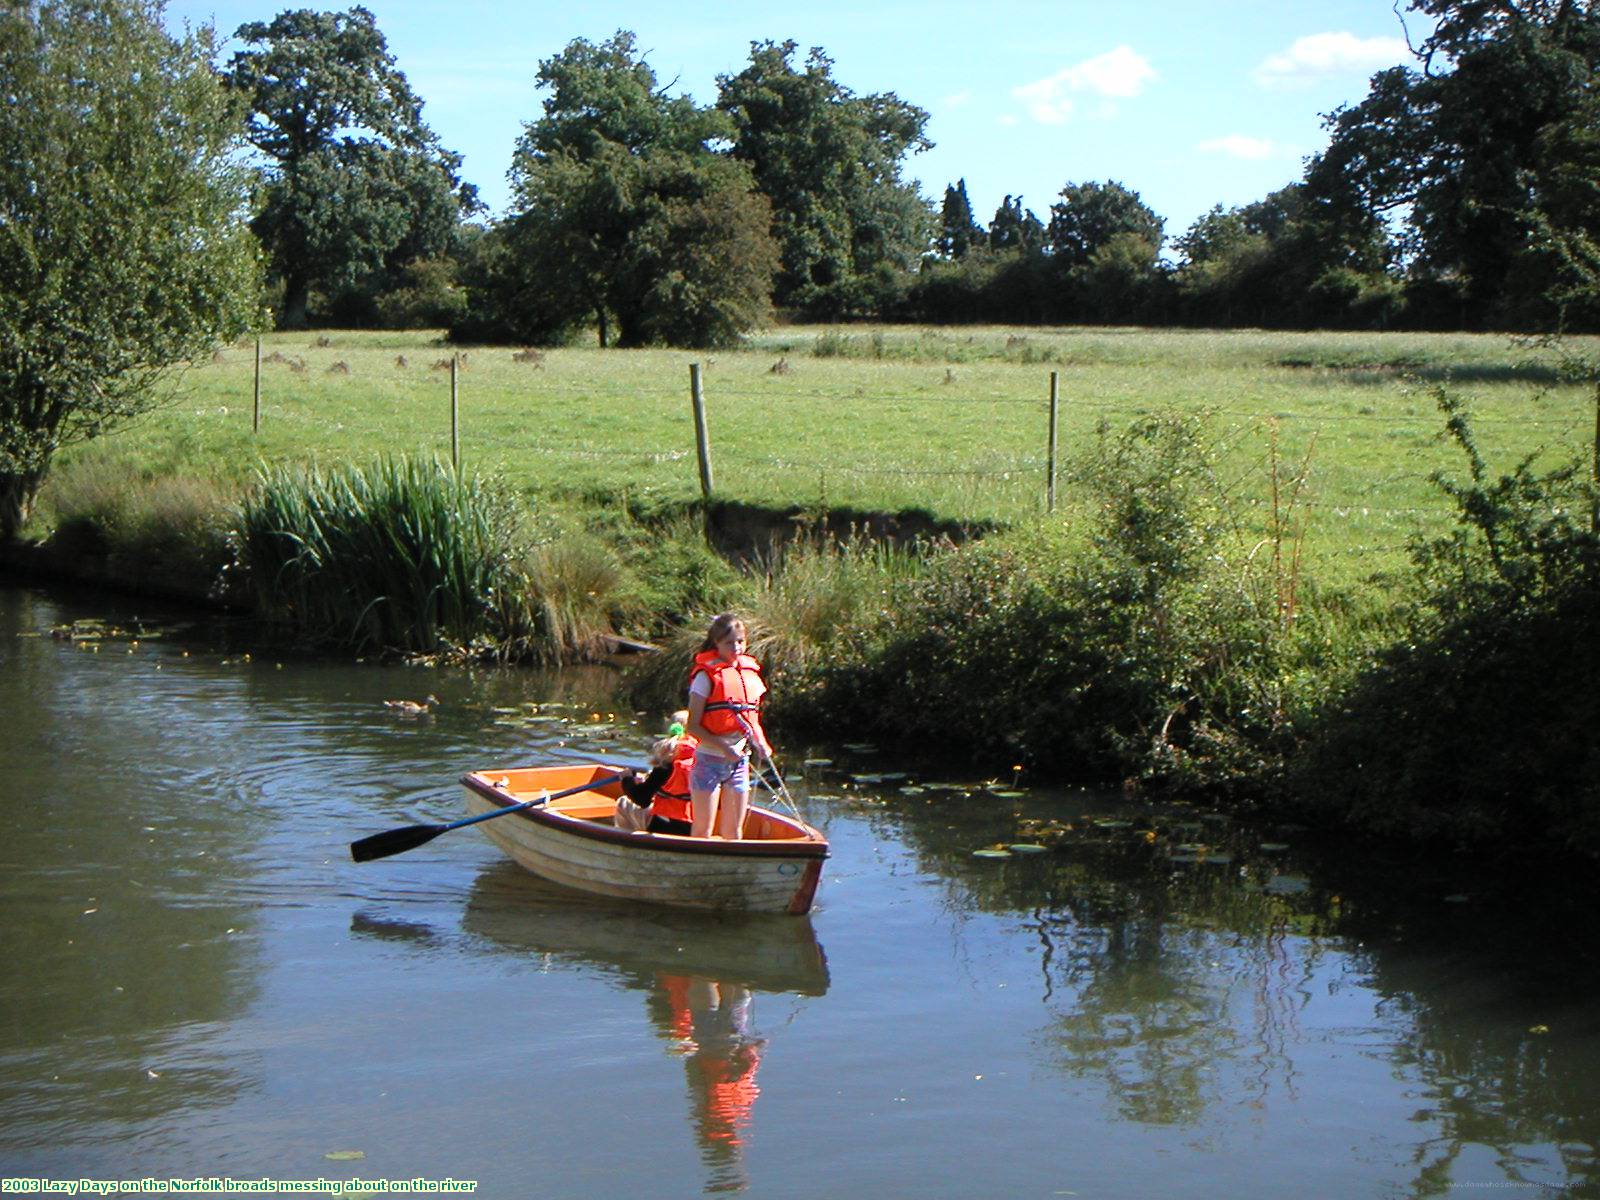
[
  {"x": 1474, "y": 152},
  {"x": 829, "y": 161},
  {"x": 123, "y": 244},
  {"x": 626, "y": 213},
  {"x": 357, "y": 184}
]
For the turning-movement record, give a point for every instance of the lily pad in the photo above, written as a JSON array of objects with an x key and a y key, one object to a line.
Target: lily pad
[
  {"x": 1216, "y": 860},
  {"x": 819, "y": 762},
  {"x": 1008, "y": 794},
  {"x": 1273, "y": 847},
  {"x": 1111, "y": 823},
  {"x": 1288, "y": 885},
  {"x": 1027, "y": 848},
  {"x": 345, "y": 1155},
  {"x": 860, "y": 748},
  {"x": 912, "y": 790},
  {"x": 991, "y": 853}
]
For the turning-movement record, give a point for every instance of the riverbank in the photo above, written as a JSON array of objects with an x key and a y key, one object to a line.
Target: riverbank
[{"x": 1164, "y": 630}]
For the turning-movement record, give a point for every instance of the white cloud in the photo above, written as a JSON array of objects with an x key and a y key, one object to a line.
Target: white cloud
[
  {"x": 1327, "y": 54},
  {"x": 1237, "y": 145},
  {"x": 1008, "y": 119},
  {"x": 1119, "y": 74}
]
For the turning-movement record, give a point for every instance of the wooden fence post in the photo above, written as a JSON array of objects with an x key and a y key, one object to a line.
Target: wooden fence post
[
  {"x": 255, "y": 412},
  {"x": 1050, "y": 467},
  {"x": 701, "y": 437},
  {"x": 455, "y": 412}
]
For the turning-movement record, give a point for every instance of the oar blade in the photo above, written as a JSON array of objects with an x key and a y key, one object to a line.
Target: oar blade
[{"x": 394, "y": 841}]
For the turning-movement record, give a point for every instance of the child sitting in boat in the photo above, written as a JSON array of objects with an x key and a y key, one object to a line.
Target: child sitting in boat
[{"x": 659, "y": 802}]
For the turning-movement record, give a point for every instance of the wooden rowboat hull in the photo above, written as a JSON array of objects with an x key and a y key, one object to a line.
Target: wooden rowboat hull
[{"x": 774, "y": 868}]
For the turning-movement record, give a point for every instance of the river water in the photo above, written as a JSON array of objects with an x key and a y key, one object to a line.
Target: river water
[{"x": 199, "y": 983}]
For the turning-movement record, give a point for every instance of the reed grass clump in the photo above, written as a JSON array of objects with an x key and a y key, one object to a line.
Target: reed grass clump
[{"x": 399, "y": 554}]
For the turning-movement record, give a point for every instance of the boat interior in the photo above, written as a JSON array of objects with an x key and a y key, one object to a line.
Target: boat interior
[{"x": 598, "y": 804}]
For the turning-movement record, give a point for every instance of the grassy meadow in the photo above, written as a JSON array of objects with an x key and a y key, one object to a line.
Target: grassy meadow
[{"x": 952, "y": 421}]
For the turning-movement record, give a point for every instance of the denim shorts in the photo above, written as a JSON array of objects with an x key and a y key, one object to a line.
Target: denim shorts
[{"x": 709, "y": 773}]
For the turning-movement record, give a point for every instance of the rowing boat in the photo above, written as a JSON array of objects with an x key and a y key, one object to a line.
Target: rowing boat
[{"x": 774, "y": 866}]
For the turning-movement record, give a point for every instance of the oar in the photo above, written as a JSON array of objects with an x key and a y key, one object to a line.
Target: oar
[
  {"x": 781, "y": 792},
  {"x": 409, "y": 837}
]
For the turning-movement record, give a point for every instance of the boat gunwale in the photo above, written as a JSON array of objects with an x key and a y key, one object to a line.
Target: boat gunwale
[{"x": 812, "y": 846}]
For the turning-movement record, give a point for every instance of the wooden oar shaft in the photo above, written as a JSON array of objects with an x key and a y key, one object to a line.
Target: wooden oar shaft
[{"x": 409, "y": 837}]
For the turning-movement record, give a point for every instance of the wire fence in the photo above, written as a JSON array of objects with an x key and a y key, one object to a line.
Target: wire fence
[{"x": 888, "y": 446}]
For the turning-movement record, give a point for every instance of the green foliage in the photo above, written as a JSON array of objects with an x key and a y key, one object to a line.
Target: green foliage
[
  {"x": 625, "y": 214},
  {"x": 829, "y": 161},
  {"x": 357, "y": 184},
  {"x": 177, "y": 525},
  {"x": 1089, "y": 215},
  {"x": 1014, "y": 227},
  {"x": 1477, "y": 725},
  {"x": 1118, "y": 645},
  {"x": 426, "y": 296},
  {"x": 1480, "y": 149},
  {"x": 958, "y": 232},
  {"x": 400, "y": 555},
  {"x": 123, "y": 252}
]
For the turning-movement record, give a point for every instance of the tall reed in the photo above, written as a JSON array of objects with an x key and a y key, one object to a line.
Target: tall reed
[{"x": 397, "y": 554}]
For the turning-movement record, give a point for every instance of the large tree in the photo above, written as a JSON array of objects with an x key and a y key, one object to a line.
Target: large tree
[
  {"x": 958, "y": 232},
  {"x": 1473, "y": 151},
  {"x": 829, "y": 161},
  {"x": 626, "y": 214},
  {"x": 123, "y": 244},
  {"x": 1089, "y": 215},
  {"x": 357, "y": 184}
]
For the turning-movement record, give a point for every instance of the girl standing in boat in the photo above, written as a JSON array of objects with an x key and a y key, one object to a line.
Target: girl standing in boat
[{"x": 725, "y": 692}]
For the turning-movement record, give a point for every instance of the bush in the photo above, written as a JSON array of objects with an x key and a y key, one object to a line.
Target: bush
[
  {"x": 1476, "y": 727},
  {"x": 1116, "y": 643}
]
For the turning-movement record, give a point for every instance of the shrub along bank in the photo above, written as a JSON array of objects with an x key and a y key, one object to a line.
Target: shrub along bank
[{"x": 1141, "y": 636}]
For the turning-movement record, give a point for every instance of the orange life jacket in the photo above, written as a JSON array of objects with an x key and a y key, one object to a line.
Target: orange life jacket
[
  {"x": 736, "y": 691},
  {"x": 672, "y": 797}
]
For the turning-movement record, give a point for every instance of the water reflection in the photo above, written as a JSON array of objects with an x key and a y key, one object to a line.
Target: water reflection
[
  {"x": 701, "y": 975},
  {"x": 1182, "y": 986}
]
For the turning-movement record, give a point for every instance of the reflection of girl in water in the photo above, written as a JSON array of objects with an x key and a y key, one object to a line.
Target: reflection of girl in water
[{"x": 710, "y": 1024}]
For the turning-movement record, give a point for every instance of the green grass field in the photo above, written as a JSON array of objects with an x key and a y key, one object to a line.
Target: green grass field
[{"x": 950, "y": 420}]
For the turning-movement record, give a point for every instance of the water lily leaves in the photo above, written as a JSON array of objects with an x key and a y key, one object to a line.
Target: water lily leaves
[
  {"x": 345, "y": 1155},
  {"x": 818, "y": 762},
  {"x": 1288, "y": 885},
  {"x": 860, "y": 748},
  {"x": 1008, "y": 794},
  {"x": 1111, "y": 823},
  {"x": 1027, "y": 848},
  {"x": 1273, "y": 847},
  {"x": 991, "y": 852}
]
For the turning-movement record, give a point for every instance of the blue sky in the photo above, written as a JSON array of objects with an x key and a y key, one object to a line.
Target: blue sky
[{"x": 1189, "y": 104}]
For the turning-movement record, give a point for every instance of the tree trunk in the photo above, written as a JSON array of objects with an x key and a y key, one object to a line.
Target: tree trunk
[
  {"x": 600, "y": 315},
  {"x": 296, "y": 299},
  {"x": 18, "y": 490}
]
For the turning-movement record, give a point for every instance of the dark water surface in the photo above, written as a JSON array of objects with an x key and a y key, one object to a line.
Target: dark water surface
[{"x": 199, "y": 982}]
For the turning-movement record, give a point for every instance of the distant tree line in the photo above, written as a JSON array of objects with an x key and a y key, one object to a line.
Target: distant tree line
[{"x": 1462, "y": 192}]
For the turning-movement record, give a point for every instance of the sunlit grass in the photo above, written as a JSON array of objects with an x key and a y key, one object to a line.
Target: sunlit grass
[{"x": 952, "y": 421}]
